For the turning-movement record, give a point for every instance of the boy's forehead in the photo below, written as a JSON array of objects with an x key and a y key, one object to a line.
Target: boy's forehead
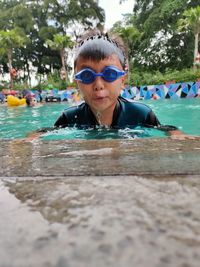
[
  {"x": 98, "y": 48},
  {"x": 109, "y": 60}
]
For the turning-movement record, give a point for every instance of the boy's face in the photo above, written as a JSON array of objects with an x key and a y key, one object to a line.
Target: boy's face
[
  {"x": 33, "y": 101},
  {"x": 100, "y": 95}
]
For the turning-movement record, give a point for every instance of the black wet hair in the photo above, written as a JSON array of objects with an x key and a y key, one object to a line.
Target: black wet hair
[
  {"x": 100, "y": 46},
  {"x": 28, "y": 101}
]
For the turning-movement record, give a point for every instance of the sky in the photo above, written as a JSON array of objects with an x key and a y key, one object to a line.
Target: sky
[{"x": 114, "y": 10}]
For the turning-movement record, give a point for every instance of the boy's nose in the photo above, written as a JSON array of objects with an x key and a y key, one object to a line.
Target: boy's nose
[{"x": 98, "y": 84}]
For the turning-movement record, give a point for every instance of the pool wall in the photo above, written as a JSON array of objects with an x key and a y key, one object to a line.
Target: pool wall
[{"x": 172, "y": 90}]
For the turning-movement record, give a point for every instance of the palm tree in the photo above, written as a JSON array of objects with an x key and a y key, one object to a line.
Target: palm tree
[
  {"x": 191, "y": 21},
  {"x": 130, "y": 35},
  {"x": 60, "y": 43},
  {"x": 8, "y": 41}
]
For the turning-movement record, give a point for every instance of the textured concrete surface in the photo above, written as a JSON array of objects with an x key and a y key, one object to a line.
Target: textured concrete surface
[
  {"x": 99, "y": 157},
  {"x": 100, "y": 203}
]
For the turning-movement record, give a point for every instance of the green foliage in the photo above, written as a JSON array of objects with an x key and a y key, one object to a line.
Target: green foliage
[
  {"x": 60, "y": 42},
  {"x": 191, "y": 20},
  {"x": 19, "y": 86},
  {"x": 150, "y": 32},
  {"x": 46, "y": 32},
  {"x": 4, "y": 85},
  {"x": 8, "y": 41},
  {"x": 39, "y": 21},
  {"x": 129, "y": 34},
  {"x": 11, "y": 39},
  {"x": 56, "y": 81},
  {"x": 160, "y": 45},
  {"x": 22, "y": 17},
  {"x": 53, "y": 81},
  {"x": 150, "y": 78}
]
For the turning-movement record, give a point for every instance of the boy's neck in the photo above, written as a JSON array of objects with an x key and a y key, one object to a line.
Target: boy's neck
[{"x": 105, "y": 118}]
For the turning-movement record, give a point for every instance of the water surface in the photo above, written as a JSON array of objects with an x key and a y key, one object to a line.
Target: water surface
[{"x": 17, "y": 122}]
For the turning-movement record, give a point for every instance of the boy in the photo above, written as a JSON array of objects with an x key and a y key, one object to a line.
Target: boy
[
  {"x": 100, "y": 70},
  {"x": 31, "y": 101}
]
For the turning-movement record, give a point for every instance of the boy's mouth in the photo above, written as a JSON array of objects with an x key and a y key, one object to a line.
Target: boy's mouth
[{"x": 99, "y": 98}]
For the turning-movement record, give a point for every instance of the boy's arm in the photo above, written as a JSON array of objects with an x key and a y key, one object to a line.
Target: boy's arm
[
  {"x": 170, "y": 130},
  {"x": 61, "y": 122},
  {"x": 174, "y": 133},
  {"x": 33, "y": 135},
  {"x": 36, "y": 134},
  {"x": 177, "y": 134}
]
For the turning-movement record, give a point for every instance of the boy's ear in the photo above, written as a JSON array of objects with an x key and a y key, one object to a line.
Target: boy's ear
[
  {"x": 75, "y": 81},
  {"x": 124, "y": 80}
]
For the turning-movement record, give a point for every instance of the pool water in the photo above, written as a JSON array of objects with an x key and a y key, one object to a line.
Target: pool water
[
  {"x": 183, "y": 113},
  {"x": 17, "y": 122}
]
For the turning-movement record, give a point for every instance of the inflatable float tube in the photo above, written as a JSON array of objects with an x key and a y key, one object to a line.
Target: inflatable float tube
[{"x": 14, "y": 101}]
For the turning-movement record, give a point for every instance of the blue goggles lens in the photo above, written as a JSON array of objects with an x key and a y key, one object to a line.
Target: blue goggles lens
[{"x": 109, "y": 74}]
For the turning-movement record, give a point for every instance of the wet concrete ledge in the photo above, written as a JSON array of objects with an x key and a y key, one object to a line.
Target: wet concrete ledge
[
  {"x": 100, "y": 221},
  {"x": 100, "y": 157},
  {"x": 106, "y": 203}
]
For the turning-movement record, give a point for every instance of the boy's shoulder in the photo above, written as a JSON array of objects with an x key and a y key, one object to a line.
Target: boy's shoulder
[
  {"x": 75, "y": 108},
  {"x": 130, "y": 103},
  {"x": 79, "y": 115}
]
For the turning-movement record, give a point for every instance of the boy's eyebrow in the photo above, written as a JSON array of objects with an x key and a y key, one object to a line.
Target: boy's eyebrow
[
  {"x": 85, "y": 66},
  {"x": 89, "y": 67}
]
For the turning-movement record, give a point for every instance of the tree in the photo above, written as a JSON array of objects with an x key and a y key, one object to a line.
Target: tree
[
  {"x": 161, "y": 46},
  {"x": 18, "y": 14},
  {"x": 129, "y": 34},
  {"x": 60, "y": 43},
  {"x": 10, "y": 40},
  {"x": 191, "y": 21},
  {"x": 40, "y": 20}
]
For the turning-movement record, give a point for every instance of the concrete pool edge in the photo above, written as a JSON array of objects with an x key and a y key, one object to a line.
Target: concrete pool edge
[
  {"x": 100, "y": 221},
  {"x": 100, "y": 158}
]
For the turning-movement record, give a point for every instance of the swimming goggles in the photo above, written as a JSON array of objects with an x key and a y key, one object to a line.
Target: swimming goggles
[{"x": 109, "y": 74}]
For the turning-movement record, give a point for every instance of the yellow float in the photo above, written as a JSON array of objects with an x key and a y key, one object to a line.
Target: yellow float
[{"x": 14, "y": 101}]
